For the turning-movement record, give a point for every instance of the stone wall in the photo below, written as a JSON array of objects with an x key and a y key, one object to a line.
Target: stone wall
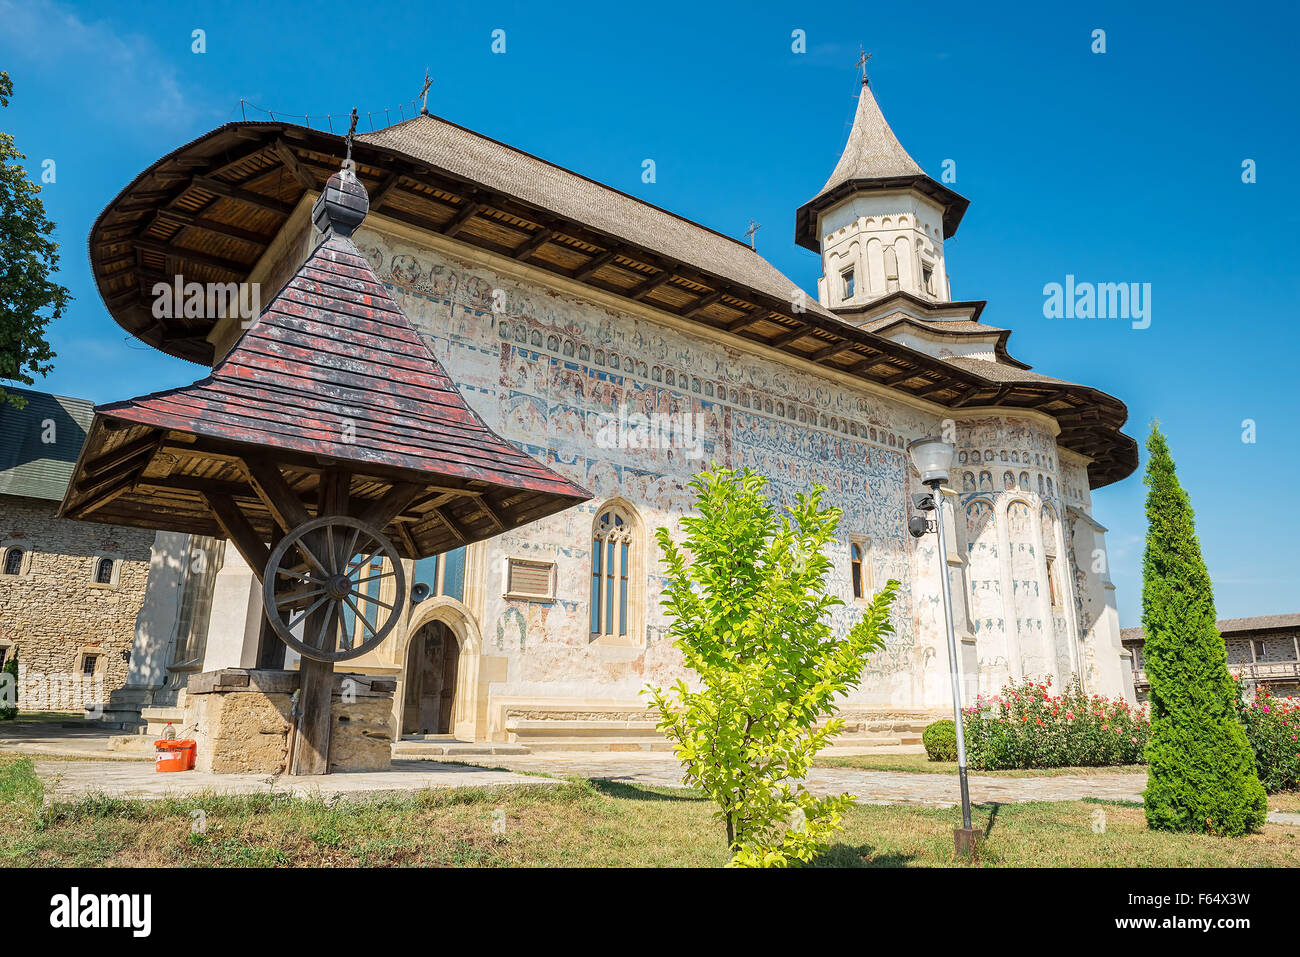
[
  {"x": 240, "y": 720},
  {"x": 54, "y": 611}
]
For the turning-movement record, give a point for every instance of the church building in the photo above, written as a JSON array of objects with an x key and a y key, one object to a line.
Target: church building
[{"x": 627, "y": 348}]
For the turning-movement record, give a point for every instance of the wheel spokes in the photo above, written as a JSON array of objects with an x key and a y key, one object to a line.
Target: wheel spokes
[
  {"x": 373, "y": 600},
  {"x": 300, "y": 575},
  {"x": 326, "y": 622},
  {"x": 296, "y": 595},
  {"x": 370, "y": 578},
  {"x": 307, "y": 553},
  {"x": 303, "y": 616},
  {"x": 365, "y": 622}
]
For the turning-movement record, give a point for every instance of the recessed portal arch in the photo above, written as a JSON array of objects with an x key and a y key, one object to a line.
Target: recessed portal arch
[{"x": 439, "y": 686}]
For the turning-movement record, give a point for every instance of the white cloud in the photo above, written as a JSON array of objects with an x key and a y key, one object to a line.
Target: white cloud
[{"x": 119, "y": 71}]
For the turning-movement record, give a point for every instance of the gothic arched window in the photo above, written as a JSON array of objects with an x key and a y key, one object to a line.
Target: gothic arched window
[
  {"x": 13, "y": 561},
  {"x": 611, "y": 560}
]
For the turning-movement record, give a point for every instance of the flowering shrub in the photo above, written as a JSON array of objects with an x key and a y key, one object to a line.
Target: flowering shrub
[
  {"x": 1273, "y": 726},
  {"x": 1026, "y": 726}
]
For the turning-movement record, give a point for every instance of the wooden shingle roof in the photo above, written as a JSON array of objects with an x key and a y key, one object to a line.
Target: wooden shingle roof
[
  {"x": 874, "y": 159},
  {"x": 211, "y": 210},
  {"x": 1234, "y": 626}
]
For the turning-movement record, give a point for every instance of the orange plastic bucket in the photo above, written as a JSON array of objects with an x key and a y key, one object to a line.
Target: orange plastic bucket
[{"x": 174, "y": 755}]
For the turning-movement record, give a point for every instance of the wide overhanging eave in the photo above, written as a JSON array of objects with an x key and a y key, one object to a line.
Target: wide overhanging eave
[
  {"x": 954, "y": 205},
  {"x": 211, "y": 209}
]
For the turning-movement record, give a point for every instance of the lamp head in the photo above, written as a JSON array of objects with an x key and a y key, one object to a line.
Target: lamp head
[{"x": 932, "y": 457}]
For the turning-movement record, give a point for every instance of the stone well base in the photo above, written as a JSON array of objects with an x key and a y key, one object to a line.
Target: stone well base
[{"x": 240, "y": 720}]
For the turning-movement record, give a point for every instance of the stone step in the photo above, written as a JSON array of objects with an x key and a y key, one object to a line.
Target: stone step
[
  {"x": 569, "y": 728},
  {"x": 598, "y": 744},
  {"x": 426, "y": 750}
]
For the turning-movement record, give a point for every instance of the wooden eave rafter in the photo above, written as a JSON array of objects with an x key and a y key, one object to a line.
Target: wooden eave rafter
[{"x": 260, "y": 495}]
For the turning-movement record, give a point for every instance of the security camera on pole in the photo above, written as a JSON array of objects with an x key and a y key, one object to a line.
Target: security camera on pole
[{"x": 932, "y": 457}]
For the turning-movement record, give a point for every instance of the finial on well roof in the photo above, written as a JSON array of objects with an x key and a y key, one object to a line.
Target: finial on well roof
[{"x": 343, "y": 203}]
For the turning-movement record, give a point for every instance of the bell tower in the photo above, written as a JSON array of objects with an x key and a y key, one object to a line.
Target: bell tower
[{"x": 880, "y": 222}]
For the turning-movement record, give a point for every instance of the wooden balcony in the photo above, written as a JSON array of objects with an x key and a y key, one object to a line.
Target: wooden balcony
[{"x": 1247, "y": 671}]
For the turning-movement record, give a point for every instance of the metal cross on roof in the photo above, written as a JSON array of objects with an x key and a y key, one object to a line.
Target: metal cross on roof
[
  {"x": 424, "y": 93},
  {"x": 753, "y": 228},
  {"x": 863, "y": 57}
]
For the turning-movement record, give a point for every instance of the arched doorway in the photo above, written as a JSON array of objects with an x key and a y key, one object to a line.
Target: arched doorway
[{"x": 431, "y": 664}]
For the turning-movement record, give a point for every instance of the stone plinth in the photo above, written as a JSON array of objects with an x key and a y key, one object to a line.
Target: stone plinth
[{"x": 241, "y": 719}]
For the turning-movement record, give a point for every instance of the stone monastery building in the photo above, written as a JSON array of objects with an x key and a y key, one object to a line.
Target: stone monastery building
[{"x": 626, "y": 347}]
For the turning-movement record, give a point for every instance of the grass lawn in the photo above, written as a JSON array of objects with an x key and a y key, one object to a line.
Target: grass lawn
[
  {"x": 1288, "y": 801},
  {"x": 922, "y": 763},
  {"x": 579, "y": 823}
]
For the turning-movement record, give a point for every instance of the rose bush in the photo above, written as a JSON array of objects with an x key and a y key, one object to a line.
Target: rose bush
[
  {"x": 1273, "y": 727},
  {"x": 1027, "y": 726}
]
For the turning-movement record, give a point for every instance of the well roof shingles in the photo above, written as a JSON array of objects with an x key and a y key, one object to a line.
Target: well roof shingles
[{"x": 333, "y": 367}]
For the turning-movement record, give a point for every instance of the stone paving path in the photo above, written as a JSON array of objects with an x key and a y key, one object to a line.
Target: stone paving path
[
  {"x": 70, "y": 780},
  {"x": 133, "y": 776},
  {"x": 872, "y": 787},
  {"x": 73, "y": 738}
]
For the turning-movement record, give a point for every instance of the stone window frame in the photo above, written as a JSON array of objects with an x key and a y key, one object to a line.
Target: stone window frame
[
  {"x": 634, "y": 536},
  {"x": 114, "y": 580},
  {"x": 6, "y": 646},
  {"x": 510, "y": 560},
  {"x": 99, "y": 653},
  {"x": 9, "y": 544},
  {"x": 868, "y": 573}
]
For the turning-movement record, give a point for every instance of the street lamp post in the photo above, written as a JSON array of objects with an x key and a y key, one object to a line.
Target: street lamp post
[{"x": 932, "y": 457}]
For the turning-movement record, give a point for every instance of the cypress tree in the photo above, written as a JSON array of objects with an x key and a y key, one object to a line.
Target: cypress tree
[{"x": 1201, "y": 769}]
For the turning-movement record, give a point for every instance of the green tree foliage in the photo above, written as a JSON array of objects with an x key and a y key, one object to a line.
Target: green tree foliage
[
  {"x": 747, "y": 597},
  {"x": 29, "y": 298},
  {"x": 1201, "y": 775},
  {"x": 9, "y": 687}
]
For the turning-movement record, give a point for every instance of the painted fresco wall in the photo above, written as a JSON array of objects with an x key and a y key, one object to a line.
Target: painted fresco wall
[
  {"x": 561, "y": 375},
  {"x": 1011, "y": 488},
  {"x": 564, "y": 376}
]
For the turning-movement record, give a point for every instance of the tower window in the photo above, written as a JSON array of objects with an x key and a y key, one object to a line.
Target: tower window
[
  {"x": 13, "y": 561},
  {"x": 847, "y": 280},
  {"x": 927, "y": 277},
  {"x": 1052, "y": 590}
]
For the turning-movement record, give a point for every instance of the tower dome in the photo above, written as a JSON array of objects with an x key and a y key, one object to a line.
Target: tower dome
[{"x": 880, "y": 222}]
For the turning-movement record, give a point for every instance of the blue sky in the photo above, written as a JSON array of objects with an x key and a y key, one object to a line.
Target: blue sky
[{"x": 1115, "y": 167}]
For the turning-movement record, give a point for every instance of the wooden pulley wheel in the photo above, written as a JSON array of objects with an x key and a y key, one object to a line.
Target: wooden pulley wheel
[{"x": 330, "y": 576}]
